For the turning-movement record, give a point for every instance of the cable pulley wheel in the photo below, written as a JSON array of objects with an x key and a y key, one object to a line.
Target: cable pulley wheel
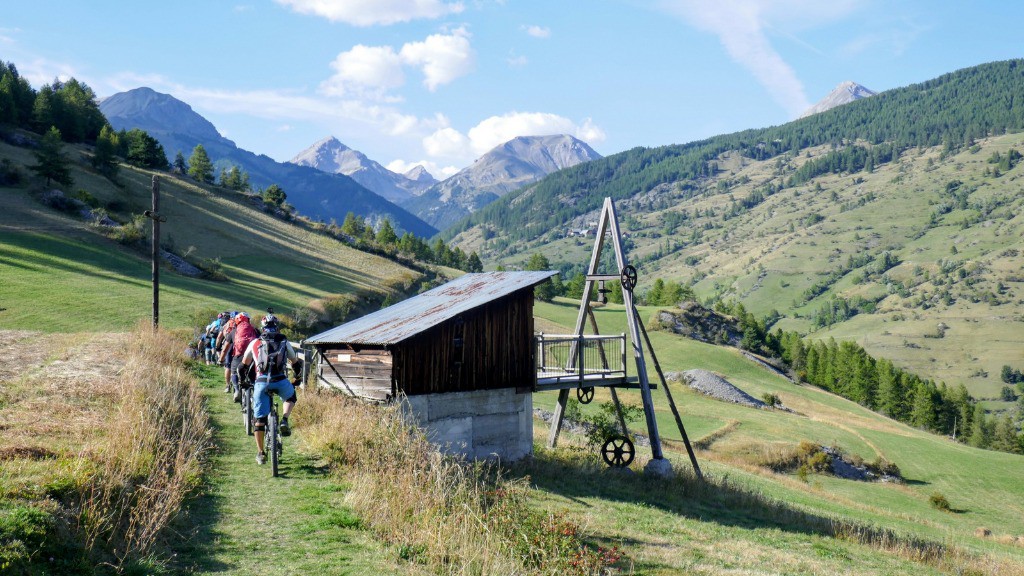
[
  {"x": 585, "y": 394},
  {"x": 618, "y": 452},
  {"x": 628, "y": 278}
]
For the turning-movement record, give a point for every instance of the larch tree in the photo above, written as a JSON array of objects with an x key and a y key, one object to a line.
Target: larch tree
[
  {"x": 50, "y": 160},
  {"x": 199, "y": 166}
]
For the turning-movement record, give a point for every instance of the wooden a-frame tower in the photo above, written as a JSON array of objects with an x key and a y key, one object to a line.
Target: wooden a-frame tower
[{"x": 608, "y": 223}]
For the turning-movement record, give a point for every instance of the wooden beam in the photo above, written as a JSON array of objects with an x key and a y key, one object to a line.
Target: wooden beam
[{"x": 671, "y": 402}]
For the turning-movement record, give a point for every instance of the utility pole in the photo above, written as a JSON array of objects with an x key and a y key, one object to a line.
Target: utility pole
[{"x": 155, "y": 216}]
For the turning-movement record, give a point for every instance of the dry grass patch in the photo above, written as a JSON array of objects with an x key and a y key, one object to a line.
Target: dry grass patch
[
  {"x": 447, "y": 514},
  {"x": 107, "y": 435}
]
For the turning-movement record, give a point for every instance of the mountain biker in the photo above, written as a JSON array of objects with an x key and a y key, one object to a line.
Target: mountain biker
[
  {"x": 270, "y": 353},
  {"x": 223, "y": 347},
  {"x": 210, "y": 334},
  {"x": 242, "y": 333}
]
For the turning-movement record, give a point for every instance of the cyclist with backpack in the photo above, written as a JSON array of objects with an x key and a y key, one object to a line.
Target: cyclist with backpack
[
  {"x": 271, "y": 353},
  {"x": 241, "y": 333},
  {"x": 210, "y": 334}
]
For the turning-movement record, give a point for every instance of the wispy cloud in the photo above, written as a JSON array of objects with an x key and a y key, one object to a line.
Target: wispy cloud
[
  {"x": 894, "y": 40},
  {"x": 538, "y": 31},
  {"x": 372, "y": 12},
  {"x": 515, "y": 61},
  {"x": 742, "y": 26}
]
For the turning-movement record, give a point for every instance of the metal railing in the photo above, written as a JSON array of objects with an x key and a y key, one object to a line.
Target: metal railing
[{"x": 567, "y": 357}]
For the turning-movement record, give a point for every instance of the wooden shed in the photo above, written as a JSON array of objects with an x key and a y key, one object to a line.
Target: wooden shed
[{"x": 462, "y": 355}]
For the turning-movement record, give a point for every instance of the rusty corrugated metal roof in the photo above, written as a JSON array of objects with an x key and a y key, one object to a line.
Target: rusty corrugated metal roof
[{"x": 410, "y": 317}]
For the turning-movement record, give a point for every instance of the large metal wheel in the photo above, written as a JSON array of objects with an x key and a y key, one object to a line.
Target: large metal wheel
[
  {"x": 628, "y": 278},
  {"x": 585, "y": 394},
  {"x": 618, "y": 452}
]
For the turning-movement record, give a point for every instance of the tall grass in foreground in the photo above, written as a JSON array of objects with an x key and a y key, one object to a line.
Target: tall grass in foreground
[
  {"x": 157, "y": 439},
  {"x": 446, "y": 514}
]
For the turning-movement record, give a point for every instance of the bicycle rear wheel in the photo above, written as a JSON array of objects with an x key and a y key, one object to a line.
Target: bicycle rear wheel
[
  {"x": 247, "y": 410},
  {"x": 271, "y": 443}
]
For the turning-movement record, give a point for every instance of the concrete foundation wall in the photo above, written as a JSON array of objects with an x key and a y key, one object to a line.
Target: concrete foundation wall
[{"x": 482, "y": 424}]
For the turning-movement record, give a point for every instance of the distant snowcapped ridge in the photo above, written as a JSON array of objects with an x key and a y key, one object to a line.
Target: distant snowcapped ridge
[{"x": 845, "y": 93}]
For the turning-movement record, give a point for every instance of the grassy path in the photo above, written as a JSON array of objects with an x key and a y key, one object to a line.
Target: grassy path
[{"x": 247, "y": 522}]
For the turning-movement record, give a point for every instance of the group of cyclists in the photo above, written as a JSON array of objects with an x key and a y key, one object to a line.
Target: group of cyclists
[{"x": 253, "y": 358}]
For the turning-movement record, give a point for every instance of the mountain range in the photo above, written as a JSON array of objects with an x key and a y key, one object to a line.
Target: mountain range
[
  {"x": 510, "y": 166},
  {"x": 330, "y": 155},
  {"x": 313, "y": 192}
]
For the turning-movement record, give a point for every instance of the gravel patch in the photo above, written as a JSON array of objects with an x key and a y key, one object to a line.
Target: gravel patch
[{"x": 717, "y": 387}]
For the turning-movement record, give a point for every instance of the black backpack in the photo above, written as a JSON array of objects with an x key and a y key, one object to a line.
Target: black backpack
[{"x": 273, "y": 356}]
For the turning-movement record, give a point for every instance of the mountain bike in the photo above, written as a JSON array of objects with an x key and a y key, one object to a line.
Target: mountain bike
[
  {"x": 272, "y": 441},
  {"x": 247, "y": 417}
]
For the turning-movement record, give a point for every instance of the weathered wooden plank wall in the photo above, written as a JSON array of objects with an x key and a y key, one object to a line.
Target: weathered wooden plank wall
[
  {"x": 366, "y": 373},
  {"x": 496, "y": 351}
]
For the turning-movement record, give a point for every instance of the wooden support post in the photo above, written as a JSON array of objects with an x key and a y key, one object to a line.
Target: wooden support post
[
  {"x": 156, "y": 251},
  {"x": 556, "y": 420},
  {"x": 671, "y": 402}
]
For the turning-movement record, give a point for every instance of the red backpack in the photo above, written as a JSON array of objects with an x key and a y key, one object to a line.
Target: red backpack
[{"x": 244, "y": 334}]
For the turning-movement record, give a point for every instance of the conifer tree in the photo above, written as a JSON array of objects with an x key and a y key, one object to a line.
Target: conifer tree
[
  {"x": 51, "y": 162},
  {"x": 179, "y": 163},
  {"x": 105, "y": 159},
  {"x": 199, "y": 166},
  {"x": 352, "y": 226},
  {"x": 979, "y": 437},
  {"x": 386, "y": 234},
  {"x": 1004, "y": 436},
  {"x": 922, "y": 411}
]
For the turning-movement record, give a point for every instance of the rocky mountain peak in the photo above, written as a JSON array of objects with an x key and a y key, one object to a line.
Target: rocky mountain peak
[
  {"x": 330, "y": 155},
  {"x": 844, "y": 93}
]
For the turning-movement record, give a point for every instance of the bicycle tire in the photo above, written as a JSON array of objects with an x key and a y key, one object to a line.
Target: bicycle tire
[
  {"x": 247, "y": 410},
  {"x": 271, "y": 443}
]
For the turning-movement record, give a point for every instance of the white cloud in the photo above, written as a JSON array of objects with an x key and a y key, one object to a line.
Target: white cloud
[
  {"x": 500, "y": 129},
  {"x": 284, "y": 128},
  {"x": 371, "y": 12},
  {"x": 742, "y": 27},
  {"x": 365, "y": 69},
  {"x": 436, "y": 170},
  {"x": 538, "y": 31},
  {"x": 445, "y": 143},
  {"x": 441, "y": 57}
]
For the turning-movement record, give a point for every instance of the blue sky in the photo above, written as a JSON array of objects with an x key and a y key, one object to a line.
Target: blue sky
[{"x": 439, "y": 82}]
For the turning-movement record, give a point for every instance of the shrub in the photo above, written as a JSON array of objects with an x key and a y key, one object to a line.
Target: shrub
[
  {"x": 130, "y": 233},
  {"x": 939, "y": 502},
  {"x": 10, "y": 173},
  {"x": 771, "y": 399},
  {"x": 212, "y": 269},
  {"x": 86, "y": 198},
  {"x": 605, "y": 423}
]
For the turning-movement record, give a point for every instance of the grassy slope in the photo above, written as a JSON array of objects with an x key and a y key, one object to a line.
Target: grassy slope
[
  {"x": 57, "y": 271},
  {"x": 756, "y": 258},
  {"x": 982, "y": 486}
]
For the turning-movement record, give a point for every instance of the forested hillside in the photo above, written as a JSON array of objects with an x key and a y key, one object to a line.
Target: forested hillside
[
  {"x": 894, "y": 222},
  {"x": 952, "y": 110}
]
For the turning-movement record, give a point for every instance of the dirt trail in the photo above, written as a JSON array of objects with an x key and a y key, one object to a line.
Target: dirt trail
[{"x": 247, "y": 522}]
